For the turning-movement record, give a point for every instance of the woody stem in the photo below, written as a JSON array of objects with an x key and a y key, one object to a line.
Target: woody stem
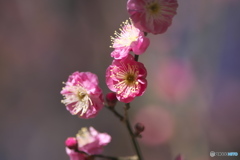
[
  {"x": 133, "y": 137},
  {"x": 136, "y": 57}
]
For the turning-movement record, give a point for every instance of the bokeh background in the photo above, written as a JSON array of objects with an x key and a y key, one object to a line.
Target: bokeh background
[{"x": 192, "y": 103}]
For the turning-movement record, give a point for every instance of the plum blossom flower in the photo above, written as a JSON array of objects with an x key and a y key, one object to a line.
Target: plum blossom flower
[
  {"x": 152, "y": 16},
  {"x": 130, "y": 38},
  {"x": 82, "y": 95},
  {"x": 89, "y": 141},
  {"x": 127, "y": 78}
]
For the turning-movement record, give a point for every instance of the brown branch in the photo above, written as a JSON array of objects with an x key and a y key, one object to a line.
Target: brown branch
[{"x": 133, "y": 137}]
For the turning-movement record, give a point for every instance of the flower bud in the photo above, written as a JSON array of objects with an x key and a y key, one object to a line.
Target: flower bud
[
  {"x": 139, "y": 127},
  {"x": 71, "y": 143},
  {"x": 111, "y": 99}
]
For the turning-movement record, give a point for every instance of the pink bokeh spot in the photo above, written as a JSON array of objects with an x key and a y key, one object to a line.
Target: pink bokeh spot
[
  {"x": 127, "y": 78},
  {"x": 129, "y": 39},
  {"x": 152, "y": 16},
  {"x": 82, "y": 95},
  {"x": 179, "y": 157},
  {"x": 159, "y": 125},
  {"x": 175, "y": 80}
]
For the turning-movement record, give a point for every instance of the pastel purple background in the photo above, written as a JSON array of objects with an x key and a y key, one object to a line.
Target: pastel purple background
[{"x": 42, "y": 42}]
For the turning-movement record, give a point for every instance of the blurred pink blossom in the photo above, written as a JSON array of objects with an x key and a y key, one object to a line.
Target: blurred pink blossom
[
  {"x": 89, "y": 141},
  {"x": 153, "y": 16},
  {"x": 75, "y": 155},
  {"x": 127, "y": 78},
  {"x": 82, "y": 95},
  {"x": 158, "y": 122},
  {"x": 175, "y": 80},
  {"x": 179, "y": 157},
  {"x": 129, "y": 39}
]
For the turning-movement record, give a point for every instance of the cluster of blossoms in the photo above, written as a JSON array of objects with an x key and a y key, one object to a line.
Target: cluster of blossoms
[{"x": 125, "y": 77}]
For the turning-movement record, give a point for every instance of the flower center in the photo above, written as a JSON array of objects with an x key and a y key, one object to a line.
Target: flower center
[
  {"x": 81, "y": 96},
  {"x": 130, "y": 79},
  {"x": 154, "y": 8},
  {"x": 127, "y": 75}
]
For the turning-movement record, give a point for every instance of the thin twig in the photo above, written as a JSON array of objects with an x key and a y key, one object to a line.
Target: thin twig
[
  {"x": 133, "y": 137},
  {"x": 136, "y": 57},
  {"x": 126, "y": 120},
  {"x": 116, "y": 113}
]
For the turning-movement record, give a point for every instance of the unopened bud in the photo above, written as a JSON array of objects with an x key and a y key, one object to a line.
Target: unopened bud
[
  {"x": 139, "y": 127},
  {"x": 111, "y": 99},
  {"x": 179, "y": 157},
  {"x": 71, "y": 142}
]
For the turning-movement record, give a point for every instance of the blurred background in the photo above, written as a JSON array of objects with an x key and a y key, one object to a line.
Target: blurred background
[{"x": 191, "y": 105}]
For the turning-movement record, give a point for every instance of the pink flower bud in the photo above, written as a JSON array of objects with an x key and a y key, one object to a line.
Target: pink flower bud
[
  {"x": 71, "y": 143},
  {"x": 111, "y": 99},
  {"x": 139, "y": 127}
]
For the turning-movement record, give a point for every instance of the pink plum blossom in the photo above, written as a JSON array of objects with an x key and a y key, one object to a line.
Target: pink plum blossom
[
  {"x": 127, "y": 78},
  {"x": 129, "y": 39},
  {"x": 152, "y": 16},
  {"x": 82, "y": 95},
  {"x": 89, "y": 141}
]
